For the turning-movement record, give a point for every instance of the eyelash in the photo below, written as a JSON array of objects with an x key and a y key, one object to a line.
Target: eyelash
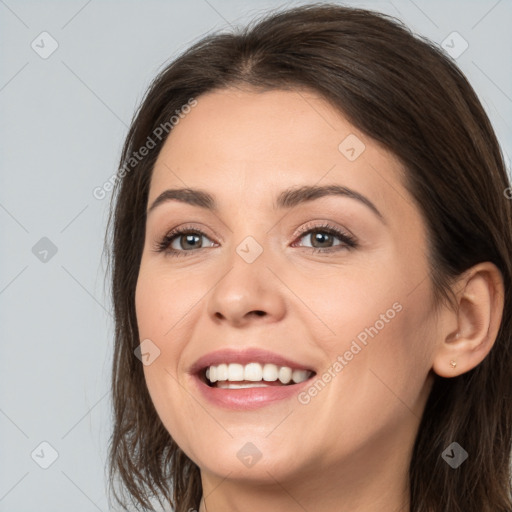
[{"x": 348, "y": 241}]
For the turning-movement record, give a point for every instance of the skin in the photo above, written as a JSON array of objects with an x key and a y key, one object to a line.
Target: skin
[{"x": 349, "y": 448}]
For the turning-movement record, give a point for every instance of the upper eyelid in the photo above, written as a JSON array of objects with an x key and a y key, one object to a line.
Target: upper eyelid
[
  {"x": 327, "y": 225},
  {"x": 190, "y": 227},
  {"x": 304, "y": 230}
]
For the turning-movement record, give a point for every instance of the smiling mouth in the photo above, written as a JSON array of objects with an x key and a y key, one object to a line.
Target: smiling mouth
[{"x": 252, "y": 375}]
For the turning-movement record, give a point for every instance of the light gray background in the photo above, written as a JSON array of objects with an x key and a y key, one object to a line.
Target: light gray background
[{"x": 63, "y": 120}]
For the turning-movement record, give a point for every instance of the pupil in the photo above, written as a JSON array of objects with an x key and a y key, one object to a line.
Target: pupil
[
  {"x": 190, "y": 238},
  {"x": 322, "y": 238}
]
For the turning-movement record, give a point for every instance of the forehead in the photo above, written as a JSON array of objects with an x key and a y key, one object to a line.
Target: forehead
[{"x": 247, "y": 144}]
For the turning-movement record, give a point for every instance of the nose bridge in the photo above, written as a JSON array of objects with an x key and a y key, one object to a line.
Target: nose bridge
[
  {"x": 251, "y": 244},
  {"x": 250, "y": 234},
  {"x": 247, "y": 286}
]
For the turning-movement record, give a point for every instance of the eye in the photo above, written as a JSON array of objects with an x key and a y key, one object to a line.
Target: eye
[
  {"x": 181, "y": 241},
  {"x": 322, "y": 238}
]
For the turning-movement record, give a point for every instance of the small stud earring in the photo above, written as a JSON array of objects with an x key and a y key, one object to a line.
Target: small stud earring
[{"x": 453, "y": 364}]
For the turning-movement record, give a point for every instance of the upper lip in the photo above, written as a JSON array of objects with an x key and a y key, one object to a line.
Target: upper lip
[{"x": 245, "y": 356}]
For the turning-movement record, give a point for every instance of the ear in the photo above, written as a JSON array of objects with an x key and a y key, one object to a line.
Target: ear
[{"x": 469, "y": 330}]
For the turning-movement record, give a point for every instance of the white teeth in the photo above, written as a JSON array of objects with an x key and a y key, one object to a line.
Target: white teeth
[
  {"x": 222, "y": 372},
  {"x": 253, "y": 372},
  {"x": 235, "y": 372},
  {"x": 285, "y": 374},
  {"x": 270, "y": 372},
  {"x": 299, "y": 375}
]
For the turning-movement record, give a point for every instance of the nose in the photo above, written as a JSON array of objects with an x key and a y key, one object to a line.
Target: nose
[{"x": 247, "y": 293}]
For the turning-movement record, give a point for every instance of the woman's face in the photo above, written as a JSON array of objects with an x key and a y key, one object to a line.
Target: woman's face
[{"x": 331, "y": 283}]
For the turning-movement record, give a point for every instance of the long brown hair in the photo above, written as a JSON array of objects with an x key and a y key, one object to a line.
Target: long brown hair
[{"x": 404, "y": 92}]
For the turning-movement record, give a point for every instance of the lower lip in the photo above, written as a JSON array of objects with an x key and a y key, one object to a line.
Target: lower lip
[{"x": 248, "y": 398}]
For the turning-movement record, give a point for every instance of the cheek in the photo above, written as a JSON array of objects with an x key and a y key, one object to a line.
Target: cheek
[
  {"x": 388, "y": 360},
  {"x": 162, "y": 311},
  {"x": 163, "y": 303},
  {"x": 378, "y": 339},
  {"x": 344, "y": 303}
]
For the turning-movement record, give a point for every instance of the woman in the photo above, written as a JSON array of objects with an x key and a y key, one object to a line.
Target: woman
[{"x": 335, "y": 334}]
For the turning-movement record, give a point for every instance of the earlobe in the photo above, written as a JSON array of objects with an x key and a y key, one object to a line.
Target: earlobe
[{"x": 477, "y": 317}]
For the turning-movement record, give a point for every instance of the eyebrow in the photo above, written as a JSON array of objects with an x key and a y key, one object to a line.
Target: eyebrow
[{"x": 286, "y": 199}]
